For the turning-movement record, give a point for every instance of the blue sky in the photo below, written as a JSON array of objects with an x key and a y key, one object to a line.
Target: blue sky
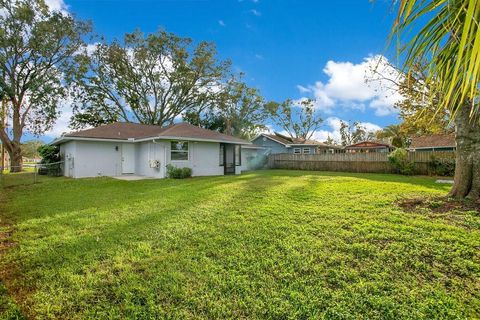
[{"x": 286, "y": 48}]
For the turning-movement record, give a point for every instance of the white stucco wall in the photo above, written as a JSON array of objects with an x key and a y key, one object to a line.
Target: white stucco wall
[
  {"x": 146, "y": 151},
  {"x": 67, "y": 152},
  {"x": 203, "y": 158},
  {"x": 96, "y": 158}
]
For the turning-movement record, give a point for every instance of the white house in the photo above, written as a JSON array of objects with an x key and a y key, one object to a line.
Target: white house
[{"x": 145, "y": 150}]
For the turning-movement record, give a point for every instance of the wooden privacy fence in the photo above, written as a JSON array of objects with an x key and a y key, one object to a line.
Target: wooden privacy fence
[{"x": 353, "y": 162}]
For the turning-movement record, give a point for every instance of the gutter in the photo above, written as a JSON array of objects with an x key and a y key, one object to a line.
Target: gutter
[
  {"x": 64, "y": 139},
  {"x": 191, "y": 139}
]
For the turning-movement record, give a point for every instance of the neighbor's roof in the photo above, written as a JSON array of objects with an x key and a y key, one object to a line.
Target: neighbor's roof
[
  {"x": 280, "y": 138},
  {"x": 135, "y": 131},
  {"x": 367, "y": 145},
  {"x": 433, "y": 141}
]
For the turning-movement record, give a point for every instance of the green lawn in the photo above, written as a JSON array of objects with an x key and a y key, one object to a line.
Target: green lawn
[{"x": 270, "y": 244}]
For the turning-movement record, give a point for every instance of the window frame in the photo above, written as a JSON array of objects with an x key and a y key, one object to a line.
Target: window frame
[
  {"x": 295, "y": 150},
  {"x": 238, "y": 153},
  {"x": 306, "y": 149},
  {"x": 172, "y": 150},
  {"x": 221, "y": 155}
]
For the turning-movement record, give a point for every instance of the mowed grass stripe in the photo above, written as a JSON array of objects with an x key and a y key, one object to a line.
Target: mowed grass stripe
[{"x": 268, "y": 244}]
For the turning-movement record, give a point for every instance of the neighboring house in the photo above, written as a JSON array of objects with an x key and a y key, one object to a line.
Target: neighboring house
[
  {"x": 146, "y": 150},
  {"x": 278, "y": 143},
  {"x": 368, "y": 146},
  {"x": 436, "y": 142}
]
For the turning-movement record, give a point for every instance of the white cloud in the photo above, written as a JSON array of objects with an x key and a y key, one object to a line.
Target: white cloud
[
  {"x": 334, "y": 123},
  {"x": 221, "y": 23},
  {"x": 347, "y": 87},
  {"x": 303, "y": 89},
  {"x": 56, "y": 5},
  {"x": 259, "y": 56},
  {"x": 256, "y": 12}
]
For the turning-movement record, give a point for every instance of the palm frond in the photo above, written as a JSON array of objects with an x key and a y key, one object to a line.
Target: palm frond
[{"x": 449, "y": 37}]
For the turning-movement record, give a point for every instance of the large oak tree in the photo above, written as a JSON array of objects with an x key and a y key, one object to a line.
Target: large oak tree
[
  {"x": 299, "y": 119},
  {"x": 37, "y": 55},
  {"x": 150, "y": 79},
  {"x": 240, "y": 111}
]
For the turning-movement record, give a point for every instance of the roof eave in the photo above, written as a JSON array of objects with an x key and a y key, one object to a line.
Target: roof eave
[
  {"x": 132, "y": 140},
  {"x": 192, "y": 139},
  {"x": 432, "y": 147},
  {"x": 268, "y": 137},
  {"x": 67, "y": 138}
]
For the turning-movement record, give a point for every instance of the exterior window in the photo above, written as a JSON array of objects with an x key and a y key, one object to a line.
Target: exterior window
[
  {"x": 306, "y": 150},
  {"x": 238, "y": 155},
  {"x": 179, "y": 151},
  {"x": 297, "y": 150},
  {"x": 222, "y": 154}
]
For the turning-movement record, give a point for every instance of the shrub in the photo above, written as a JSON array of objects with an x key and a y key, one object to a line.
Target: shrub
[
  {"x": 50, "y": 164},
  {"x": 441, "y": 166},
  {"x": 49, "y": 154},
  {"x": 400, "y": 163},
  {"x": 178, "y": 173}
]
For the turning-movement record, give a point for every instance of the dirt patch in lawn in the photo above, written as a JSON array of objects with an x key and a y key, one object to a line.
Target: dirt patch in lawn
[
  {"x": 439, "y": 205},
  {"x": 461, "y": 213},
  {"x": 5, "y": 239}
]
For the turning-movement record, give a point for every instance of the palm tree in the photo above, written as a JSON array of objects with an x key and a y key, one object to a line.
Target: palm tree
[
  {"x": 449, "y": 39},
  {"x": 394, "y": 134}
]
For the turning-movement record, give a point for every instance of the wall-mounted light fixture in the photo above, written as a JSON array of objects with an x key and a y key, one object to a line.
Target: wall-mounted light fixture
[{"x": 116, "y": 148}]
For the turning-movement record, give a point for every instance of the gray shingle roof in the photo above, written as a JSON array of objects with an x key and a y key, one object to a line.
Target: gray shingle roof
[
  {"x": 125, "y": 131},
  {"x": 435, "y": 140}
]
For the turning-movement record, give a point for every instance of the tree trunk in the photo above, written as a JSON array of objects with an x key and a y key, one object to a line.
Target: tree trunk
[
  {"x": 16, "y": 149},
  {"x": 467, "y": 163},
  {"x": 16, "y": 157}
]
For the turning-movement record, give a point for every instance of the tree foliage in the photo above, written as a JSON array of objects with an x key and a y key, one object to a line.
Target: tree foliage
[
  {"x": 240, "y": 111},
  {"x": 449, "y": 40},
  {"x": 50, "y": 154},
  {"x": 30, "y": 148},
  {"x": 420, "y": 111},
  {"x": 150, "y": 79},
  {"x": 37, "y": 59},
  {"x": 394, "y": 134},
  {"x": 299, "y": 119},
  {"x": 355, "y": 132},
  {"x": 419, "y": 107}
]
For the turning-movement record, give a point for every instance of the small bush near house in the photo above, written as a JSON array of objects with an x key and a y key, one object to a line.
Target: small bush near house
[
  {"x": 441, "y": 166},
  {"x": 178, "y": 173},
  {"x": 50, "y": 164},
  {"x": 400, "y": 162}
]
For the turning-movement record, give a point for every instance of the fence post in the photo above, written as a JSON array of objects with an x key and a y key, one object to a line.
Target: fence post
[{"x": 34, "y": 173}]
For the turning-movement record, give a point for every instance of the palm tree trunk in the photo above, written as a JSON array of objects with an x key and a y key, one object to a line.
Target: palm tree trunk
[{"x": 467, "y": 164}]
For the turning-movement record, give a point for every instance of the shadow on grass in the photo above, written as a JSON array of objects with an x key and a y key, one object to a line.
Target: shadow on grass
[
  {"x": 424, "y": 181},
  {"x": 171, "y": 228},
  {"x": 263, "y": 243}
]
